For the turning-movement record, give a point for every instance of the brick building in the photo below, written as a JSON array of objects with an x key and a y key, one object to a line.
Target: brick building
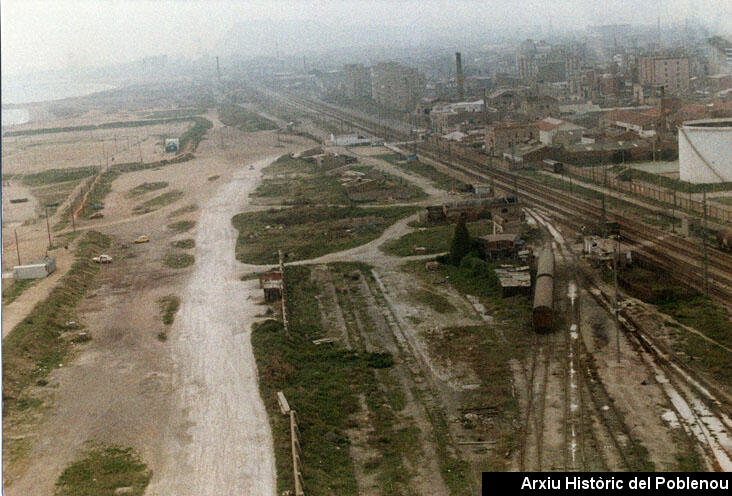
[{"x": 672, "y": 73}]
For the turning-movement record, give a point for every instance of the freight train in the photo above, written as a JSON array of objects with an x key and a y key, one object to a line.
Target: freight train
[
  {"x": 543, "y": 309},
  {"x": 724, "y": 239}
]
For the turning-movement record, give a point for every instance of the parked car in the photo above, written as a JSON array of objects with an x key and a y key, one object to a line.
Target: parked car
[
  {"x": 102, "y": 259},
  {"x": 142, "y": 239},
  {"x": 97, "y": 215}
]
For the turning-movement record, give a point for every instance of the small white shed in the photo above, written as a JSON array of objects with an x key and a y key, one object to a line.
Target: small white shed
[{"x": 35, "y": 270}]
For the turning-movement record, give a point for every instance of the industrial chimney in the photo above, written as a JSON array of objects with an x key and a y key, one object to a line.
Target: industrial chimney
[
  {"x": 218, "y": 70},
  {"x": 459, "y": 76}
]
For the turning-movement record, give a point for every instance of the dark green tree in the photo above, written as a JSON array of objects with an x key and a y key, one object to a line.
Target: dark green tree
[{"x": 461, "y": 242}]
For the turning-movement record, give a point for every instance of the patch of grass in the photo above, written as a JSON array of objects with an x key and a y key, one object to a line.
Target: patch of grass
[
  {"x": 193, "y": 136},
  {"x": 179, "y": 260},
  {"x": 143, "y": 188},
  {"x": 34, "y": 347},
  {"x": 243, "y": 119},
  {"x": 181, "y": 226},
  {"x": 671, "y": 183},
  {"x": 298, "y": 182},
  {"x": 693, "y": 310},
  {"x": 16, "y": 289},
  {"x": 435, "y": 301},
  {"x": 91, "y": 127},
  {"x": 303, "y": 190},
  {"x": 440, "y": 179},
  {"x": 59, "y": 176},
  {"x": 184, "y": 244},
  {"x": 168, "y": 307},
  {"x": 435, "y": 238},
  {"x": 323, "y": 384},
  {"x": 184, "y": 112},
  {"x": 96, "y": 196},
  {"x": 184, "y": 210},
  {"x": 103, "y": 469},
  {"x": 158, "y": 202},
  {"x": 53, "y": 194},
  {"x": 308, "y": 232}
]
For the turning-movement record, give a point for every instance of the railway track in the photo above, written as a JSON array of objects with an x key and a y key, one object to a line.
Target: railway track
[
  {"x": 703, "y": 415},
  {"x": 679, "y": 256},
  {"x": 531, "y": 432}
]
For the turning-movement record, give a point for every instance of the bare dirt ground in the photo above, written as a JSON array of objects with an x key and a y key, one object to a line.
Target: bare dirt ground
[
  {"x": 36, "y": 153},
  {"x": 220, "y": 415},
  {"x": 169, "y": 400}
]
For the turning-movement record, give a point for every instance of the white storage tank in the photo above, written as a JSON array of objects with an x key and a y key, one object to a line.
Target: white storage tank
[
  {"x": 705, "y": 151},
  {"x": 35, "y": 270}
]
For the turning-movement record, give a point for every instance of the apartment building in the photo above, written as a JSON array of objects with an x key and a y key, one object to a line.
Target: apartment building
[
  {"x": 671, "y": 72},
  {"x": 396, "y": 86}
]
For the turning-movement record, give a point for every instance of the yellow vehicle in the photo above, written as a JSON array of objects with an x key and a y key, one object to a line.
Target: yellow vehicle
[{"x": 142, "y": 239}]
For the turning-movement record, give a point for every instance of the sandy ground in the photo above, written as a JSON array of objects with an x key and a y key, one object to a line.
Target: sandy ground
[
  {"x": 14, "y": 214},
  {"x": 31, "y": 154},
  {"x": 138, "y": 391},
  {"x": 215, "y": 378}
]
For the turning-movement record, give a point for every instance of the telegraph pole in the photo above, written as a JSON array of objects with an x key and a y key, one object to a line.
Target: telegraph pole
[
  {"x": 48, "y": 227},
  {"x": 704, "y": 239},
  {"x": 17, "y": 248},
  {"x": 615, "y": 284}
]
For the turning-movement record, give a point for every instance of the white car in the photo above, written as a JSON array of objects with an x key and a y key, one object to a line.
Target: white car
[{"x": 102, "y": 259}]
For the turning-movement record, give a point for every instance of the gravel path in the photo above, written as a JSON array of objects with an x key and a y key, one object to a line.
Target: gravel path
[{"x": 226, "y": 444}]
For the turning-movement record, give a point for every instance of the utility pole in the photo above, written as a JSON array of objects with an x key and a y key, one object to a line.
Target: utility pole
[
  {"x": 704, "y": 239},
  {"x": 139, "y": 149},
  {"x": 673, "y": 214},
  {"x": 615, "y": 284},
  {"x": 48, "y": 227},
  {"x": 17, "y": 248}
]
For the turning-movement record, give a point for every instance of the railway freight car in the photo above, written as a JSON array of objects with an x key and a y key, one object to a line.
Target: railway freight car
[
  {"x": 724, "y": 239},
  {"x": 543, "y": 308},
  {"x": 552, "y": 166}
]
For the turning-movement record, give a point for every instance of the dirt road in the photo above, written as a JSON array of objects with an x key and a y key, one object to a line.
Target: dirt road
[{"x": 225, "y": 446}]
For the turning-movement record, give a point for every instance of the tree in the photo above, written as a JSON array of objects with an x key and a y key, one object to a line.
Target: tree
[{"x": 461, "y": 243}]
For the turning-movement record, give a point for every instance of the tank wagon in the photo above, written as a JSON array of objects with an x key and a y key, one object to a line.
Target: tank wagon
[
  {"x": 724, "y": 239},
  {"x": 543, "y": 309}
]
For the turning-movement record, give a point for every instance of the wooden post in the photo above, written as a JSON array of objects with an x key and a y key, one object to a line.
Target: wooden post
[
  {"x": 285, "y": 320},
  {"x": 297, "y": 474},
  {"x": 48, "y": 228},
  {"x": 17, "y": 248}
]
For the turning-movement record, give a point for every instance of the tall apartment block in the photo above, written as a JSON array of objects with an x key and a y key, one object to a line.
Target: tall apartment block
[
  {"x": 672, "y": 73},
  {"x": 396, "y": 86},
  {"x": 358, "y": 82}
]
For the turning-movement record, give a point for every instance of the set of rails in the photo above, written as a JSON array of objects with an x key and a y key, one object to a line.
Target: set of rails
[{"x": 705, "y": 268}]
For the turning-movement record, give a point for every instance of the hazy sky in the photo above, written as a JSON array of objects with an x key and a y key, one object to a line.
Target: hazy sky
[{"x": 53, "y": 34}]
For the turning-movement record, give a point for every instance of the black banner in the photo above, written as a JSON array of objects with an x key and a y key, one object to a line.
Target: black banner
[{"x": 534, "y": 483}]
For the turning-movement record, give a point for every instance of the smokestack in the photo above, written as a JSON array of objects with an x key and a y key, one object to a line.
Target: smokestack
[
  {"x": 459, "y": 76},
  {"x": 218, "y": 70}
]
